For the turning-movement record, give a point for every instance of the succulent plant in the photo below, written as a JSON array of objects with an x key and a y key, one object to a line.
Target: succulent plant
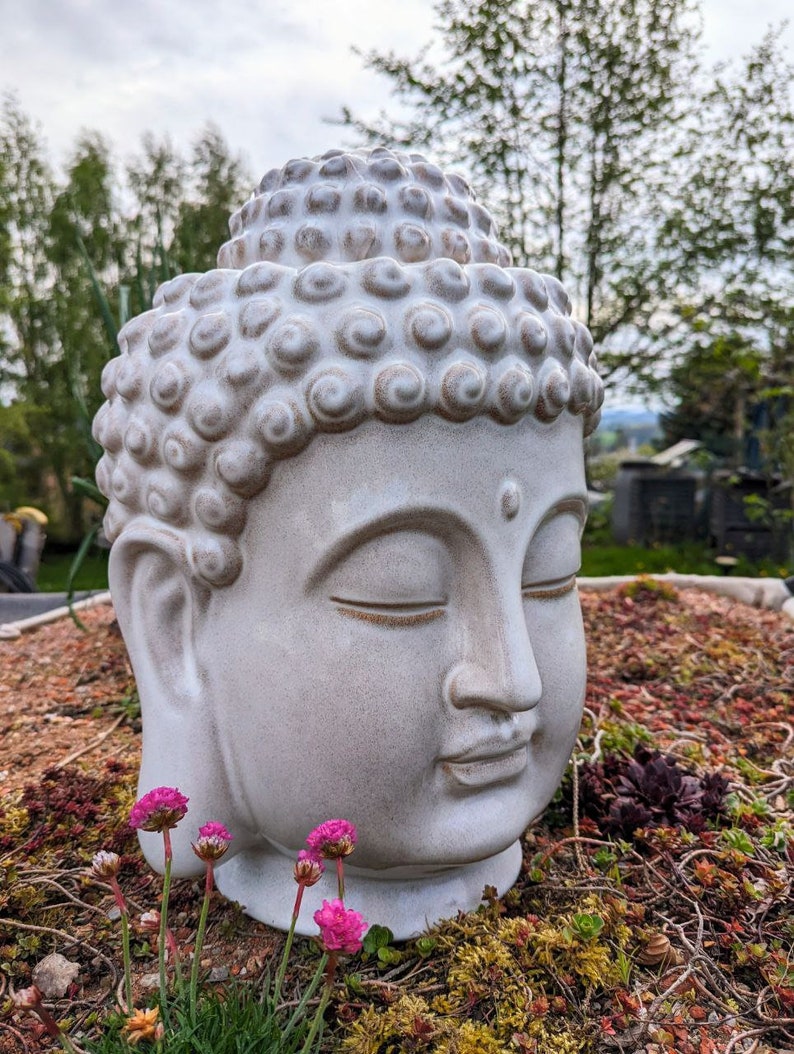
[{"x": 648, "y": 790}]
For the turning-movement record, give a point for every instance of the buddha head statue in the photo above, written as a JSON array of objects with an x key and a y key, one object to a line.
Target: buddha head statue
[{"x": 346, "y": 493}]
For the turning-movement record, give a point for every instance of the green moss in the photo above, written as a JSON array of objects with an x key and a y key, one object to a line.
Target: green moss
[{"x": 501, "y": 980}]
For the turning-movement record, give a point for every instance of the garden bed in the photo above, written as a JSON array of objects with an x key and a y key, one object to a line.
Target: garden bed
[{"x": 656, "y": 916}]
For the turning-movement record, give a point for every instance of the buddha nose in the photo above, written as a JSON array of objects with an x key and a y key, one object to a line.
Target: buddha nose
[{"x": 501, "y": 673}]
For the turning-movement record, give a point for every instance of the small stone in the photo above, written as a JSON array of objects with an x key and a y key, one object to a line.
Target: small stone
[
  {"x": 54, "y": 974},
  {"x": 149, "y": 980},
  {"x": 218, "y": 973},
  {"x": 114, "y": 913}
]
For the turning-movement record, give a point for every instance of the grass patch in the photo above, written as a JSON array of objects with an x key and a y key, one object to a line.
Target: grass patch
[
  {"x": 54, "y": 571},
  {"x": 600, "y": 558}
]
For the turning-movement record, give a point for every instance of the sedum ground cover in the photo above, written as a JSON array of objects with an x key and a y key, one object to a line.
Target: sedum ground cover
[{"x": 654, "y": 911}]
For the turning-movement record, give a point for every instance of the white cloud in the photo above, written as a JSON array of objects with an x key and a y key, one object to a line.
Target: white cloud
[{"x": 266, "y": 72}]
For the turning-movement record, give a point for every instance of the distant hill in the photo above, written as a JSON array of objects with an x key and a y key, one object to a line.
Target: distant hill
[
  {"x": 629, "y": 417},
  {"x": 626, "y": 427}
]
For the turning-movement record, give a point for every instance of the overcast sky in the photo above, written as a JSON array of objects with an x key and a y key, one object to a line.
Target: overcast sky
[{"x": 266, "y": 71}]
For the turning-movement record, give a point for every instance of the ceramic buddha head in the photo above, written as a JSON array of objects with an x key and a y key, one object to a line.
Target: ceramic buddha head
[{"x": 346, "y": 485}]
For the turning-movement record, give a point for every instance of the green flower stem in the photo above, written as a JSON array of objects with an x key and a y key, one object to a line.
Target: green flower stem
[
  {"x": 282, "y": 966},
  {"x": 202, "y": 926},
  {"x": 164, "y": 922},
  {"x": 319, "y": 1016},
  {"x": 125, "y": 940},
  {"x": 340, "y": 877},
  {"x": 53, "y": 1029},
  {"x": 125, "y": 948},
  {"x": 67, "y": 1044}
]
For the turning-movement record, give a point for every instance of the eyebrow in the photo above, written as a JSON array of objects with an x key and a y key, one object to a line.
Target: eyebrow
[
  {"x": 419, "y": 517},
  {"x": 425, "y": 518}
]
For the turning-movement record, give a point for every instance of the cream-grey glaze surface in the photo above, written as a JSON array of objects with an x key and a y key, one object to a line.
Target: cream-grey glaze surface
[{"x": 346, "y": 494}]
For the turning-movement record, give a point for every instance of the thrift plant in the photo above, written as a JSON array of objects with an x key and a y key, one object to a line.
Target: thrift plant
[
  {"x": 183, "y": 1019},
  {"x": 212, "y": 843},
  {"x": 161, "y": 810}
]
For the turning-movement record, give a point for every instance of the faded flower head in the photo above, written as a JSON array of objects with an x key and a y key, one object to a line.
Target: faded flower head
[
  {"x": 149, "y": 922},
  {"x": 308, "y": 868},
  {"x": 341, "y": 928},
  {"x": 105, "y": 864},
  {"x": 212, "y": 842},
  {"x": 159, "y": 810},
  {"x": 142, "y": 1024},
  {"x": 27, "y": 998},
  {"x": 333, "y": 839}
]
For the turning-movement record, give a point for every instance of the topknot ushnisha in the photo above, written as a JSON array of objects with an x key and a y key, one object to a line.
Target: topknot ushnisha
[
  {"x": 344, "y": 207},
  {"x": 363, "y": 284}
]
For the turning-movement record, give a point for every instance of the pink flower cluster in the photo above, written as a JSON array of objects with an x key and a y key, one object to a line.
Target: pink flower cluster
[
  {"x": 333, "y": 839},
  {"x": 341, "y": 928},
  {"x": 212, "y": 842},
  {"x": 159, "y": 810}
]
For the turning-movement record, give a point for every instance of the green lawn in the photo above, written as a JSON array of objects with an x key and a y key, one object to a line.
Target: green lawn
[
  {"x": 54, "y": 571},
  {"x": 689, "y": 559}
]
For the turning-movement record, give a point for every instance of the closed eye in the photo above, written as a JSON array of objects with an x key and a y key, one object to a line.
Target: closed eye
[
  {"x": 549, "y": 590},
  {"x": 408, "y": 613}
]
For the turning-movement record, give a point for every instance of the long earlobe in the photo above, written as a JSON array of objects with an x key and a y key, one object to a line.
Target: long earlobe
[
  {"x": 159, "y": 606},
  {"x": 161, "y": 609}
]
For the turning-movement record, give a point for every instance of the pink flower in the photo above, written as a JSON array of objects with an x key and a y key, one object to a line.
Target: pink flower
[
  {"x": 159, "y": 810},
  {"x": 212, "y": 842},
  {"x": 105, "y": 864},
  {"x": 30, "y": 1000},
  {"x": 213, "y": 829},
  {"x": 333, "y": 839},
  {"x": 27, "y": 998},
  {"x": 309, "y": 868},
  {"x": 341, "y": 929}
]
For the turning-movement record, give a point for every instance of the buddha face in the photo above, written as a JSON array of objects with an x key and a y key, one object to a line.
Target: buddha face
[{"x": 404, "y": 645}]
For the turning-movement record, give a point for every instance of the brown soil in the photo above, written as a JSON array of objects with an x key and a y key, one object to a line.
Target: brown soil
[
  {"x": 60, "y": 695},
  {"x": 718, "y": 678}
]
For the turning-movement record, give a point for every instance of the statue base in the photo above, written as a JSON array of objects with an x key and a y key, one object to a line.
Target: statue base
[{"x": 408, "y": 900}]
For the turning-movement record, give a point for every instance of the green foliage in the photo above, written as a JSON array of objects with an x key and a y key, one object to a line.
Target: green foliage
[
  {"x": 237, "y": 1019},
  {"x": 644, "y": 588},
  {"x": 602, "y": 558},
  {"x": 778, "y": 836},
  {"x": 566, "y": 114},
  {"x": 658, "y": 191},
  {"x": 55, "y": 568},
  {"x": 73, "y": 268},
  {"x": 622, "y": 737},
  {"x": 378, "y": 942},
  {"x": 584, "y": 927},
  {"x": 734, "y": 219},
  {"x": 737, "y": 839},
  {"x": 202, "y": 221},
  {"x": 504, "y": 976},
  {"x": 20, "y": 455}
]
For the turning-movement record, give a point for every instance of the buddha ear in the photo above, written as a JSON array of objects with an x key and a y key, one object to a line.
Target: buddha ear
[{"x": 160, "y": 607}]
